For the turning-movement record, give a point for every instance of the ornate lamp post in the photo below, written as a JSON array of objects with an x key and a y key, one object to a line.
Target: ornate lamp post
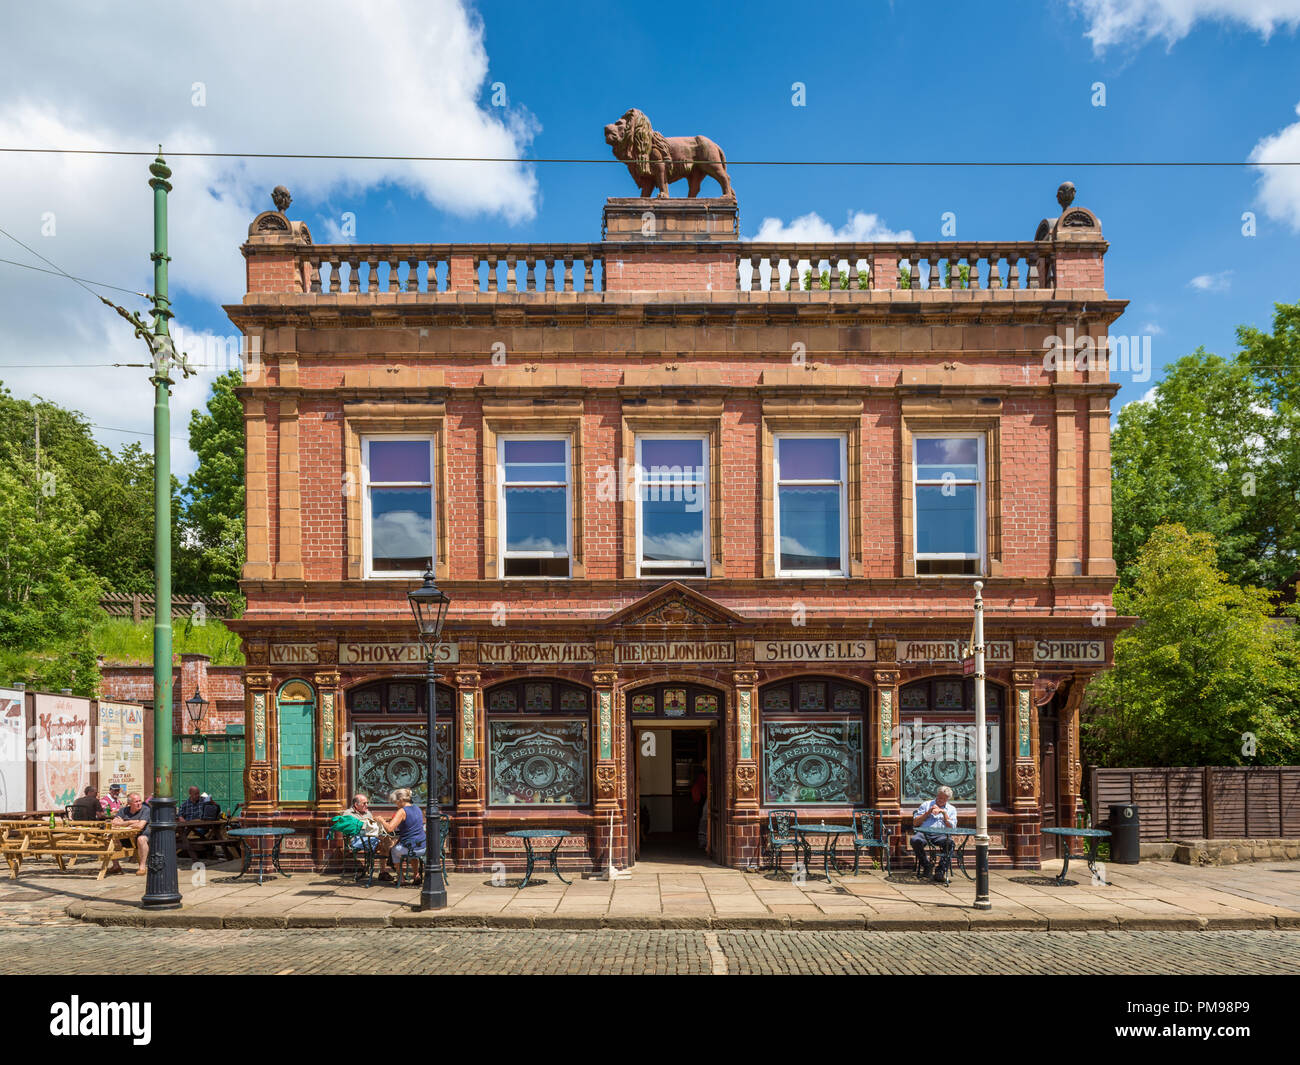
[{"x": 429, "y": 606}]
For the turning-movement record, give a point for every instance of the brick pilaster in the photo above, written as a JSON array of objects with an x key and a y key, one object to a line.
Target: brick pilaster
[
  {"x": 260, "y": 781},
  {"x": 469, "y": 849},
  {"x": 608, "y": 760},
  {"x": 885, "y": 788},
  {"x": 1021, "y": 724},
  {"x": 744, "y": 827},
  {"x": 331, "y": 782}
]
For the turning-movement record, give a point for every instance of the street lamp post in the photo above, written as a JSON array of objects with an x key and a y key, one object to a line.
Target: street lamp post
[
  {"x": 429, "y": 606},
  {"x": 982, "y": 901}
]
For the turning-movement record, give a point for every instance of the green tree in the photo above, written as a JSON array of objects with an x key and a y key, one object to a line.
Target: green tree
[
  {"x": 1208, "y": 676},
  {"x": 212, "y": 513},
  {"x": 48, "y": 598},
  {"x": 116, "y": 489},
  {"x": 1217, "y": 448}
]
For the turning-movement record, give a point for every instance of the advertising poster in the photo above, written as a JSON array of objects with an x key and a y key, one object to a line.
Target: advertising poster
[
  {"x": 13, "y": 754},
  {"x": 63, "y": 754},
  {"x": 121, "y": 747}
]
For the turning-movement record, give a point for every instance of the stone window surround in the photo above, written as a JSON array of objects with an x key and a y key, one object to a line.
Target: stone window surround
[
  {"x": 839, "y": 417},
  {"x": 378, "y": 419},
  {"x": 660, "y": 416},
  {"x": 953, "y": 416},
  {"x": 506, "y": 419}
]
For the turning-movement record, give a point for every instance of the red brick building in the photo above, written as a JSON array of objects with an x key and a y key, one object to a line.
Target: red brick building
[{"x": 696, "y": 513}]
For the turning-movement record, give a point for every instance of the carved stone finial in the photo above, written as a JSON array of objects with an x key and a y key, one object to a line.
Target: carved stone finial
[
  {"x": 281, "y": 198},
  {"x": 656, "y": 161},
  {"x": 1065, "y": 194}
]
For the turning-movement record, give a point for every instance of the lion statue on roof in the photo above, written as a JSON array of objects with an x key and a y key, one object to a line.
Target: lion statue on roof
[{"x": 656, "y": 161}]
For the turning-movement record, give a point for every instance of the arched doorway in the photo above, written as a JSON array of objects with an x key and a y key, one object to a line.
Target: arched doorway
[{"x": 675, "y": 768}]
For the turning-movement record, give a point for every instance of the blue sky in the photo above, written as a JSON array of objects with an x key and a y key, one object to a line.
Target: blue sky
[{"x": 981, "y": 82}]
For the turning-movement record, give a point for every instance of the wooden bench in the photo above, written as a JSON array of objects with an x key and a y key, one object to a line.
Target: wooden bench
[{"x": 65, "y": 843}]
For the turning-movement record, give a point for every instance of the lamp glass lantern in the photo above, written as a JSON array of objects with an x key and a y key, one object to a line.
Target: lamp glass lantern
[
  {"x": 429, "y": 605},
  {"x": 196, "y": 706}
]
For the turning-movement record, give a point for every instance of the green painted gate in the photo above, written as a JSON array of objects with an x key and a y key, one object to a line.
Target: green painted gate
[{"x": 218, "y": 769}]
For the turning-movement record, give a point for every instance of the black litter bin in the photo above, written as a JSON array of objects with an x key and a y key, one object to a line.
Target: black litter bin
[{"x": 1125, "y": 842}]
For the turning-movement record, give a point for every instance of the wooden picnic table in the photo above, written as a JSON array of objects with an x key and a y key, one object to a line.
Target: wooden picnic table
[{"x": 65, "y": 843}]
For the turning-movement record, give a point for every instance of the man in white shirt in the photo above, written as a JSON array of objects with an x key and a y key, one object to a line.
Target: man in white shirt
[{"x": 938, "y": 812}]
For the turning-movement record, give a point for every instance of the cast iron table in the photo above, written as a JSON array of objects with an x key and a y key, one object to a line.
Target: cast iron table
[
  {"x": 530, "y": 834},
  {"x": 832, "y": 834},
  {"x": 261, "y": 850},
  {"x": 964, "y": 834},
  {"x": 1094, "y": 836}
]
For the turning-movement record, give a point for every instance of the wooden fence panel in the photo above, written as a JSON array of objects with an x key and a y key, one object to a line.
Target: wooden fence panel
[{"x": 1224, "y": 802}]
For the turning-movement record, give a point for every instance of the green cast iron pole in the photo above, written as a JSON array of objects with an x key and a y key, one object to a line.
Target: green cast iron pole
[
  {"x": 162, "y": 494},
  {"x": 161, "y": 885}
]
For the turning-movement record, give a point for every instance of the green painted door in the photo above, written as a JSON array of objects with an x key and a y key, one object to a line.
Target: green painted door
[
  {"x": 297, "y": 752},
  {"x": 218, "y": 769}
]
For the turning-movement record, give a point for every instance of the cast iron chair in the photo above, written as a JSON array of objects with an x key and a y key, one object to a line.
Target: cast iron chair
[
  {"x": 361, "y": 859},
  {"x": 782, "y": 831},
  {"x": 417, "y": 856},
  {"x": 870, "y": 833}
]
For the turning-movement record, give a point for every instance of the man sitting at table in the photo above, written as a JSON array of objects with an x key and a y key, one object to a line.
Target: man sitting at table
[
  {"x": 934, "y": 813},
  {"x": 135, "y": 814},
  {"x": 198, "y": 807},
  {"x": 86, "y": 808}
]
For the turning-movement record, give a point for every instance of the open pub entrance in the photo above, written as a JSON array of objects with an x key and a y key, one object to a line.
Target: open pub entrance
[{"x": 677, "y": 805}]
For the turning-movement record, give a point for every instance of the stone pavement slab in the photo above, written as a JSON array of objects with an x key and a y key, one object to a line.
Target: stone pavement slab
[{"x": 1151, "y": 896}]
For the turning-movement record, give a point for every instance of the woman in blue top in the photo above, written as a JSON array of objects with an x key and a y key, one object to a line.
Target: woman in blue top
[{"x": 408, "y": 823}]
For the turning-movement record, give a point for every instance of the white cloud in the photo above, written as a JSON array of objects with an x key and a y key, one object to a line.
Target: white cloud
[
  {"x": 374, "y": 78},
  {"x": 860, "y": 228},
  {"x": 1219, "y": 282},
  {"x": 1150, "y": 329},
  {"x": 1279, "y": 186},
  {"x": 1135, "y": 22}
]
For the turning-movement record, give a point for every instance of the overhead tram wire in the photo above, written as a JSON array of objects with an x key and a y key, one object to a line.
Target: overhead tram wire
[
  {"x": 60, "y": 273},
  {"x": 607, "y": 160},
  {"x": 83, "y": 282}
]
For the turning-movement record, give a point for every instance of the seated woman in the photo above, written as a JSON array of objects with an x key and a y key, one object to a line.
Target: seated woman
[{"x": 407, "y": 824}]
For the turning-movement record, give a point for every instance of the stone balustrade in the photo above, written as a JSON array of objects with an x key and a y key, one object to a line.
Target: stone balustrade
[
  {"x": 392, "y": 268},
  {"x": 836, "y": 267}
]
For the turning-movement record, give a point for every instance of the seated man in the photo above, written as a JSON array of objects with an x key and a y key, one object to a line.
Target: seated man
[
  {"x": 135, "y": 814},
  {"x": 86, "y": 808},
  {"x": 934, "y": 813},
  {"x": 368, "y": 838},
  {"x": 112, "y": 802},
  {"x": 198, "y": 807}
]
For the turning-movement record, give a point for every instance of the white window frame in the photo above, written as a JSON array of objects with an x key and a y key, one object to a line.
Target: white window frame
[
  {"x": 981, "y": 508},
  {"x": 651, "y": 569},
  {"x": 503, "y": 515},
  {"x": 366, "y": 541},
  {"x": 843, "y": 482}
]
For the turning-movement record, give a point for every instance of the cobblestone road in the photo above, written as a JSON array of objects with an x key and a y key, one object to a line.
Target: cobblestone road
[{"x": 90, "y": 949}]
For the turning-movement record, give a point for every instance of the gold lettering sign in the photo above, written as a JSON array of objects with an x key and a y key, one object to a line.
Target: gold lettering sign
[
  {"x": 675, "y": 651},
  {"x": 1070, "y": 651},
  {"x": 286, "y": 654},
  {"x": 815, "y": 651},
  {"x": 952, "y": 650},
  {"x": 547, "y": 653},
  {"x": 375, "y": 654}
]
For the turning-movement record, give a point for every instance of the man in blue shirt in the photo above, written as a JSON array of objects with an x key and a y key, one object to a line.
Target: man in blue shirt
[{"x": 938, "y": 812}]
